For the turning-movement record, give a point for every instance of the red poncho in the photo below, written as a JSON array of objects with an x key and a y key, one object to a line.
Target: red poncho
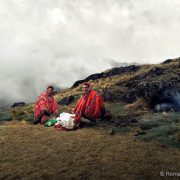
[
  {"x": 44, "y": 102},
  {"x": 89, "y": 105}
]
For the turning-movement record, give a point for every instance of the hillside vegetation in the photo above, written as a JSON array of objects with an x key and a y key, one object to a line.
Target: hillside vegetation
[{"x": 141, "y": 140}]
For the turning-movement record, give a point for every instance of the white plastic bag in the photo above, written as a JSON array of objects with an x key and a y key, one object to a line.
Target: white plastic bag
[{"x": 66, "y": 120}]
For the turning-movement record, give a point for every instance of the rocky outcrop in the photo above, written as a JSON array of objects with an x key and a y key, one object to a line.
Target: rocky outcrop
[
  {"x": 66, "y": 101},
  {"x": 151, "y": 83},
  {"x": 158, "y": 87},
  {"x": 166, "y": 107},
  {"x": 109, "y": 73},
  {"x": 18, "y": 104},
  {"x": 170, "y": 61}
]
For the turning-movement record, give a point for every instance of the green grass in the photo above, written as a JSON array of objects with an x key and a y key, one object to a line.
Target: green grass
[
  {"x": 161, "y": 127},
  {"x": 116, "y": 109},
  {"x": 5, "y": 116},
  {"x": 148, "y": 125}
]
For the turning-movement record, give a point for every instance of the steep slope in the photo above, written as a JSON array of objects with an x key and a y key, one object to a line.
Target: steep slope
[{"x": 155, "y": 84}]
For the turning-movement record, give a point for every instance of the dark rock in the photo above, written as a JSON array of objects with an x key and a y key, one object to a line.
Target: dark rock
[
  {"x": 123, "y": 124},
  {"x": 106, "y": 95},
  {"x": 170, "y": 61},
  {"x": 156, "y": 71},
  {"x": 133, "y": 82},
  {"x": 112, "y": 95},
  {"x": 166, "y": 100},
  {"x": 18, "y": 104},
  {"x": 165, "y": 107},
  {"x": 152, "y": 90},
  {"x": 111, "y": 131},
  {"x": 54, "y": 93},
  {"x": 66, "y": 101},
  {"x": 169, "y": 100},
  {"x": 133, "y": 120},
  {"x": 91, "y": 77},
  {"x": 167, "y": 61},
  {"x": 112, "y": 72},
  {"x": 152, "y": 84},
  {"x": 130, "y": 97},
  {"x": 121, "y": 70},
  {"x": 154, "y": 93}
]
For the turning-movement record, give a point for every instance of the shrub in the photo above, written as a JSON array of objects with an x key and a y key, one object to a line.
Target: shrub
[{"x": 6, "y": 116}]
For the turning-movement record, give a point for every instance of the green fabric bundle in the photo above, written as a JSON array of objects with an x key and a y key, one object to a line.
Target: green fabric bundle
[{"x": 50, "y": 122}]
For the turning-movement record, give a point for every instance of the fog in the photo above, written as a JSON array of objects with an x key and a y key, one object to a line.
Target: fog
[{"x": 57, "y": 42}]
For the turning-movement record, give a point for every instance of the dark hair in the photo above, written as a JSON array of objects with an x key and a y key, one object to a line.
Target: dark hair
[
  {"x": 51, "y": 87},
  {"x": 86, "y": 84}
]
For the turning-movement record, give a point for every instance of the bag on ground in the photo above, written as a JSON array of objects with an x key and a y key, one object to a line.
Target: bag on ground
[
  {"x": 66, "y": 121},
  {"x": 50, "y": 122}
]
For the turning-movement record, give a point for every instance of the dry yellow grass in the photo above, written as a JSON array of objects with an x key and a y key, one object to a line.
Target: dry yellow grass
[
  {"x": 37, "y": 152},
  {"x": 140, "y": 104}
]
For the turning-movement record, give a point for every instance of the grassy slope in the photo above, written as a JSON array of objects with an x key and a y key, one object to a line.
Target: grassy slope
[
  {"x": 29, "y": 151},
  {"x": 171, "y": 70},
  {"x": 36, "y": 152}
]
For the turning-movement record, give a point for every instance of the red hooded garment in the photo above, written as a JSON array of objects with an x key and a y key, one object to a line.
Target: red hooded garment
[
  {"x": 89, "y": 105},
  {"x": 45, "y": 102}
]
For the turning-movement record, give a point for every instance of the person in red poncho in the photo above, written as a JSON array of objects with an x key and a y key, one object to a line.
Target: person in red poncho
[
  {"x": 45, "y": 106},
  {"x": 90, "y": 105}
]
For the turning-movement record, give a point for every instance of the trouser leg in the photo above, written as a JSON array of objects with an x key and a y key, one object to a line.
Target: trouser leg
[
  {"x": 85, "y": 121},
  {"x": 102, "y": 114},
  {"x": 105, "y": 115},
  {"x": 44, "y": 118},
  {"x": 41, "y": 118}
]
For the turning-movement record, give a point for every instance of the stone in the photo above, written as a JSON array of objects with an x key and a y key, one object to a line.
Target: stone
[
  {"x": 18, "y": 104},
  {"x": 66, "y": 100}
]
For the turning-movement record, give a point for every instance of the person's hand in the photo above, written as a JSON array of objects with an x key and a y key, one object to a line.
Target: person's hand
[
  {"x": 73, "y": 111},
  {"x": 46, "y": 113}
]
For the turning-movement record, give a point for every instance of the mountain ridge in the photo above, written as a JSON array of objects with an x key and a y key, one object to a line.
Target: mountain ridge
[{"x": 151, "y": 82}]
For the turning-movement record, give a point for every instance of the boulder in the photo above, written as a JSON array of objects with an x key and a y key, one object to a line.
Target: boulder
[
  {"x": 167, "y": 61},
  {"x": 156, "y": 71},
  {"x": 114, "y": 95},
  {"x": 165, "y": 107},
  {"x": 130, "y": 97},
  {"x": 66, "y": 100},
  {"x": 18, "y": 104}
]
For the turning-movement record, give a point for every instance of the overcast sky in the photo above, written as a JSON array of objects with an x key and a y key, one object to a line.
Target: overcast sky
[{"x": 60, "y": 41}]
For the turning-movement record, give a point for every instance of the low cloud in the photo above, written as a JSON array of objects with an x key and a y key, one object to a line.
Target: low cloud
[{"x": 58, "y": 42}]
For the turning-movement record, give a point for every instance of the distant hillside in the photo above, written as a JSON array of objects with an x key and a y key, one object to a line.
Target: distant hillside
[{"x": 156, "y": 84}]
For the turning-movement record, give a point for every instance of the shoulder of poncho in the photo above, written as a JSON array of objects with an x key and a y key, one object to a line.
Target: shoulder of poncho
[
  {"x": 91, "y": 93},
  {"x": 94, "y": 93},
  {"x": 43, "y": 94}
]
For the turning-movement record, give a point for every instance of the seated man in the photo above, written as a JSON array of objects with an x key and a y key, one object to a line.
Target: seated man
[
  {"x": 45, "y": 106},
  {"x": 90, "y": 105}
]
